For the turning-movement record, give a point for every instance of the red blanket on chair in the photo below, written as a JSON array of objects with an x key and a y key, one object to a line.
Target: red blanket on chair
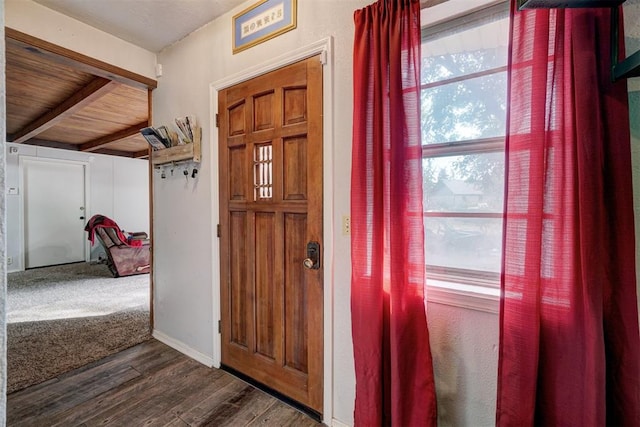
[{"x": 102, "y": 221}]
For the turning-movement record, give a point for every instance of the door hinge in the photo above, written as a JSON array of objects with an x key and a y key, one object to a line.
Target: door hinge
[
  {"x": 219, "y": 326},
  {"x": 218, "y": 230},
  {"x": 217, "y": 120}
]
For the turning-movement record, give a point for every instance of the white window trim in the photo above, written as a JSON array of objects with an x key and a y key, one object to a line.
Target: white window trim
[
  {"x": 472, "y": 297},
  {"x": 452, "y": 9}
]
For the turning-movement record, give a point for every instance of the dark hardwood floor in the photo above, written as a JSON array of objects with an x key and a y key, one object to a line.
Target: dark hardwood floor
[{"x": 150, "y": 384}]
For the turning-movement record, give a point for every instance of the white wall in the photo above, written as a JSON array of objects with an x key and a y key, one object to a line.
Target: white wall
[
  {"x": 44, "y": 23},
  {"x": 118, "y": 188},
  {"x": 464, "y": 349}
]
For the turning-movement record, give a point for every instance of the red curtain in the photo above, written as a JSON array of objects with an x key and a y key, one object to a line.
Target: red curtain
[
  {"x": 394, "y": 374},
  {"x": 569, "y": 343}
]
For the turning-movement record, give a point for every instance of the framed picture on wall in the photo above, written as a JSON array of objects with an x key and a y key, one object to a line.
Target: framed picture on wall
[{"x": 263, "y": 21}]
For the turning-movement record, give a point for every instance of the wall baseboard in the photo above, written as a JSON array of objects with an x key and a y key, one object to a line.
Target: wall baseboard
[
  {"x": 183, "y": 348},
  {"x": 336, "y": 423}
]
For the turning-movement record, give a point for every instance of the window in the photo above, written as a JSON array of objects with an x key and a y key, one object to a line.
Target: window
[{"x": 464, "y": 100}]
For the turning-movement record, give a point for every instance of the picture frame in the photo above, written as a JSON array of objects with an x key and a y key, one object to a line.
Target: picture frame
[{"x": 263, "y": 21}]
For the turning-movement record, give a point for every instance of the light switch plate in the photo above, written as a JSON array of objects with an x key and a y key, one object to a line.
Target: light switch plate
[{"x": 346, "y": 225}]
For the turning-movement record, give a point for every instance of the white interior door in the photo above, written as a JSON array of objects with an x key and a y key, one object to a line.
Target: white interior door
[{"x": 54, "y": 212}]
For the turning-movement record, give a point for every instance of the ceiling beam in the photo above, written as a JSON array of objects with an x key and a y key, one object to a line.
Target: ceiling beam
[
  {"x": 119, "y": 153},
  {"x": 78, "y": 61},
  {"x": 96, "y": 88},
  {"x": 141, "y": 154},
  {"x": 97, "y": 144},
  {"x": 52, "y": 144}
]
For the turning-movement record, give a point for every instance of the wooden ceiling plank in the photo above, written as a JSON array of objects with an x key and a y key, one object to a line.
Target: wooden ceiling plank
[
  {"x": 79, "y": 61},
  {"x": 101, "y": 142},
  {"x": 97, "y": 88},
  {"x": 81, "y": 130}
]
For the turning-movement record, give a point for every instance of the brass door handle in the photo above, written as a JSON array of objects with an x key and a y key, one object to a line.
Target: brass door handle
[{"x": 312, "y": 261}]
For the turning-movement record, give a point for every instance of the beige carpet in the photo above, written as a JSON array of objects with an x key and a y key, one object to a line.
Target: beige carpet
[{"x": 63, "y": 317}]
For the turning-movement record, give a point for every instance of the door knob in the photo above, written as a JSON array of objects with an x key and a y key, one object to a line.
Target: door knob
[{"x": 312, "y": 261}]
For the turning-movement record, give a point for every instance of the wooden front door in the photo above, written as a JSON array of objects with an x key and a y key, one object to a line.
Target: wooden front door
[{"x": 270, "y": 133}]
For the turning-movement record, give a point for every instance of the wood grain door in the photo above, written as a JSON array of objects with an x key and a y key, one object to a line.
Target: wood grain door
[{"x": 270, "y": 132}]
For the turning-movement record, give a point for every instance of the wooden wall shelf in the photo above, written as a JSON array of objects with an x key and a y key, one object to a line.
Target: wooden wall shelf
[{"x": 180, "y": 153}]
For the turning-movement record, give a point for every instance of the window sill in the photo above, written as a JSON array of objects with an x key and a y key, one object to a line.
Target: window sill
[{"x": 471, "y": 297}]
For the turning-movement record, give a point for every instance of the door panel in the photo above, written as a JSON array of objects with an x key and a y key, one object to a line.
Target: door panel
[
  {"x": 270, "y": 208},
  {"x": 267, "y": 297},
  {"x": 238, "y": 186},
  {"x": 54, "y": 212},
  {"x": 295, "y": 168},
  {"x": 238, "y": 284},
  {"x": 295, "y": 296}
]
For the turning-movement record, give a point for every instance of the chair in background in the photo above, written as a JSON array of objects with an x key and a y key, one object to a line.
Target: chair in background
[{"x": 127, "y": 253}]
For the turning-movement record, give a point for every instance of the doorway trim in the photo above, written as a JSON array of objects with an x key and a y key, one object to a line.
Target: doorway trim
[
  {"x": 324, "y": 48},
  {"x": 21, "y": 206}
]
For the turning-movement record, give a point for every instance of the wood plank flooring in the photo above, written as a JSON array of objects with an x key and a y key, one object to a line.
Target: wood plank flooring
[{"x": 150, "y": 384}]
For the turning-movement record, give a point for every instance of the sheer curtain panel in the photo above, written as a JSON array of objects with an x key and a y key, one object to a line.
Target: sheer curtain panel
[
  {"x": 569, "y": 346},
  {"x": 394, "y": 374}
]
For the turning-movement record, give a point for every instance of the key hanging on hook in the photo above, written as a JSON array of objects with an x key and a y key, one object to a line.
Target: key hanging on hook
[
  {"x": 194, "y": 173},
  {"x": 186, "y": 174}
]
